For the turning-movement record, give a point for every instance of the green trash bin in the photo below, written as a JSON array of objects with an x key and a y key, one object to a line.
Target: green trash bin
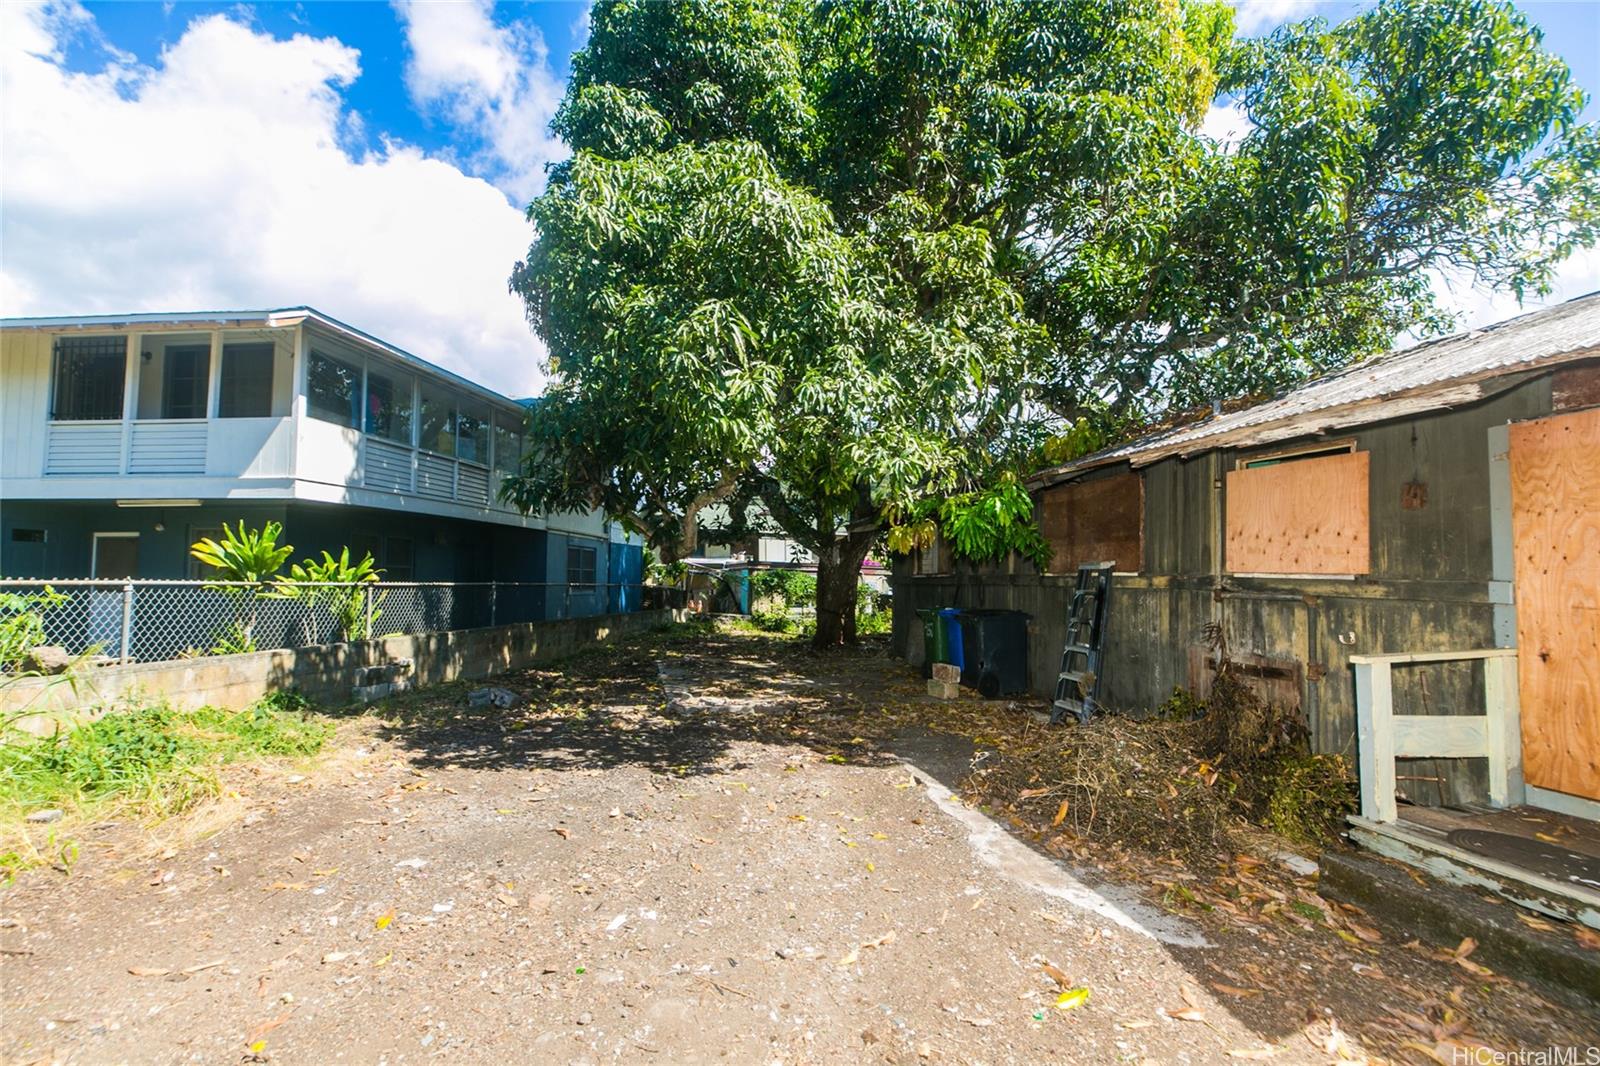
[{"x": 935, "y": 640}]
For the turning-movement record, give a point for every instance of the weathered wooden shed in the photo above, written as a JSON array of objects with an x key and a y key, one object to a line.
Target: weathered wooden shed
[{"x": 1442, "y": 501}]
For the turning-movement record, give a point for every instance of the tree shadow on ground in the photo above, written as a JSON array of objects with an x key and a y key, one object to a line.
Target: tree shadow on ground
[
  {"x": 688, "y": 703},
  {"x": 673, "y": 703}
]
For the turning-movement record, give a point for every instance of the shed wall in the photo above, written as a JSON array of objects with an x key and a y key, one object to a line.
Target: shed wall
[{"x": 1428, "y": 590}]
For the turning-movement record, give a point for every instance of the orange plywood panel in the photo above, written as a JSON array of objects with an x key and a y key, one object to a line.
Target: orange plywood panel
[
  {"x": 1555, "y": 531},
  {"x": 1303, "y": 516}
]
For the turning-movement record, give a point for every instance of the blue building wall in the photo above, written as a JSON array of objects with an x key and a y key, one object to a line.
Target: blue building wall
[
  {"x": 440, "y": 549},
  {"x": 626, "y": 574}
]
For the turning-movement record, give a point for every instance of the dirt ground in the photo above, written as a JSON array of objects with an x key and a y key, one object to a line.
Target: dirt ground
[{"x": 712, "y": 849}]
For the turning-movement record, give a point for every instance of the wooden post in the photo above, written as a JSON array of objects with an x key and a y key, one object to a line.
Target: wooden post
[
  {"x": 1503, "y": 707},
  {"x": 1375, "y": 734}
]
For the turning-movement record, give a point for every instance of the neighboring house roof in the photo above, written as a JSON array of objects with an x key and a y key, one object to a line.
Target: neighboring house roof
[
  {"x": 272, "y": 317},
  {"x": 1435, "y": 375}
]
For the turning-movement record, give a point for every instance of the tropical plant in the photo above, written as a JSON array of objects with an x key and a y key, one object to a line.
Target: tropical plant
[
  {"x": 247, "y": 556},
  {"x": 338, "y": 584},
  {"x": 846, "y": 258},
  {"x": 244, "y": 560},
  {"x": 235, "y": 638},
  {"x": 657, "y": 572}
]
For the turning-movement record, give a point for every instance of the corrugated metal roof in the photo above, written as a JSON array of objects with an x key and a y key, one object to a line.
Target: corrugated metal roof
[{"x": 1437, "y": 374}]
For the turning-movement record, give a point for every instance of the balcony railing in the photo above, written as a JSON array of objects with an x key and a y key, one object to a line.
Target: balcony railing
[
  {"x": 264, "y": 447},
  {"x": 220, "y": 447}
]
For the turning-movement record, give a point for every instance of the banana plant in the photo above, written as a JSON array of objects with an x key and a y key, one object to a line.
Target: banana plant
[
  {"x": 243, "y": 557},
  {"x": 337, "y": 582}
]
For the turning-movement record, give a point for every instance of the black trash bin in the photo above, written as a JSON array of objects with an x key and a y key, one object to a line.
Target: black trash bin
[{"x": 994, "y": 651}]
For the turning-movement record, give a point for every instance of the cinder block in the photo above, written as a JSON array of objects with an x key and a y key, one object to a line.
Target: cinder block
[
  {"x": 947, "y": 672},
  {"x": 944, "y": 690}
]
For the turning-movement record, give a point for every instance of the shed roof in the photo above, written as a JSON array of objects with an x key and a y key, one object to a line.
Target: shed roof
[{"x": 1438, "y": 374}]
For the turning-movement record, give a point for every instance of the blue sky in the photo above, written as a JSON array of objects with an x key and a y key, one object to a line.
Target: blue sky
[{"x": 368, "y": 158}]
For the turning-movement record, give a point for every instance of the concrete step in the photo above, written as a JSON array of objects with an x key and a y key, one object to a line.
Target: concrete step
[{"x": 1416, "y": 905}]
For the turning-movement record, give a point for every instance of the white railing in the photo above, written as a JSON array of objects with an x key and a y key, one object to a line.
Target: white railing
[
  {"x": 175, "y": 446},
  {"x": 218, "y": 447},
  {"x": 264, "y": 447},
  {"x": 83, "y": 448},
  {"x": 1384, "y": 736}
]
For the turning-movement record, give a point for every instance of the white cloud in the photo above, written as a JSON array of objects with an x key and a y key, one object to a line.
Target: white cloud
[
  {"x": 1477, "y": 306},
  {"x": 215, "y": 179},
  {"x": 1227, "y": 124},
  {"x": 1254, "y": 17},
  {"x": 494, "y": 79}
]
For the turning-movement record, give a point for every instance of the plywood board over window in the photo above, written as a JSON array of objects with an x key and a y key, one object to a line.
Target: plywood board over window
[
  {"x": 1094, "y": 521},
  {"x": 1555, "y": 537},
  {"x": 1304, "y": 516}
]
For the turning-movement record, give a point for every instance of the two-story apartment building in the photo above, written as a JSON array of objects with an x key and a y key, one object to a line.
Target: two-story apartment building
[{"x": 123, "y": 439}]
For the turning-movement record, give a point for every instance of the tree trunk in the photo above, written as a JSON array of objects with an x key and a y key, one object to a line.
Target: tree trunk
[{"x": 838, "y": 574}]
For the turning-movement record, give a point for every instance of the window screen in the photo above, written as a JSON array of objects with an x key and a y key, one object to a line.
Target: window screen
[
  {"x": 389, "y": 405},
  {"x": 332, "y": 388},
  {"x": 472, "y": 434},
  {"x": 89, "y": 377},
  {"x": 581, "y": 565},
  {"x": 507, "y": 449},
  {"x": 399, "y": 559},
  {"x": 438, "y": 421},
  {"x": 246, "y": 381},
  {"x": 185, "y": 371}
]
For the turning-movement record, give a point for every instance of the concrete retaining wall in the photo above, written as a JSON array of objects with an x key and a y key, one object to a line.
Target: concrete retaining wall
[{"x": 323, "y": 673}]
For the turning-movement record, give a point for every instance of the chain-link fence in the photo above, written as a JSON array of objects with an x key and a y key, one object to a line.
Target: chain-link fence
[{"x": 150, "y": 621}]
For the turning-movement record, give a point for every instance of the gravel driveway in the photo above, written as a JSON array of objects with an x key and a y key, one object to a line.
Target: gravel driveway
[{"x": 679, "y": 851}]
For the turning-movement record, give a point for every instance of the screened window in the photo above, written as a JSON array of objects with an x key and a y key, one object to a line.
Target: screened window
[
  {"x": 389, "y": 405},
  {"x": 507, "y": 449},
  {"x": 581, "y": 565},
  {"x": 332, "y": 389},
  {"x": 184, "y": 375},
  {"x": 246, "y": 388},
  {"x": 398, "y": 558},
  {"x": 438, "y": 421},
  {"x": 472, "y": 434},
  {"x": 89, "y": 377}
]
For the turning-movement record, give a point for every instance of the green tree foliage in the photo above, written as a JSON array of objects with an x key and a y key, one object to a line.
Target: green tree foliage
[{"x": 849, "y": 257}]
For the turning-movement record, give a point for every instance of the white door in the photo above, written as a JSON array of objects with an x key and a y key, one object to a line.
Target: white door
[{"x": 116, "y": 555}]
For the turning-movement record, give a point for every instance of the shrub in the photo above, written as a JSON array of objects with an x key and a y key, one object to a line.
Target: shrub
[
  {"x": 797, "y": 588},
  {"x": 22, "y": 624},
  {"x": 774, "y": 620},
  {"x": 337, "y": 583}
]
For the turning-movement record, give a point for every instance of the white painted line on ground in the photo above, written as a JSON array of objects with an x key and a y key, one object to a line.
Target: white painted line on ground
[{"x": 1017, "y": 862}]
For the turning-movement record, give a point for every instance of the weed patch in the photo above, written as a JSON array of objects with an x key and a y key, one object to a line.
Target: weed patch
[{"x": 151, "y": 762}]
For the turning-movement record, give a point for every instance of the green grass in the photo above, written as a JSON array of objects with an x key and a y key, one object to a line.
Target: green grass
[{"x": 151, "y": 762}]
